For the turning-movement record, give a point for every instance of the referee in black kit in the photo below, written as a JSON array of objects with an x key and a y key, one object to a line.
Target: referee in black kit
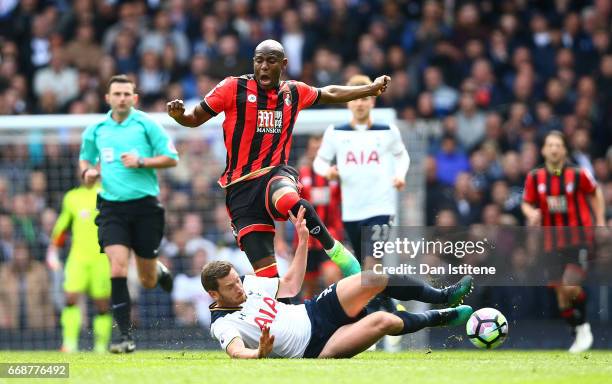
[{"x": 128, "y": 146}]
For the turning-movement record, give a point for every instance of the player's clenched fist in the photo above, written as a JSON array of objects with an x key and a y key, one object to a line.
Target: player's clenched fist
[
  {"x": 379, "y": 86},
  {"x": 175, "y": 108}
]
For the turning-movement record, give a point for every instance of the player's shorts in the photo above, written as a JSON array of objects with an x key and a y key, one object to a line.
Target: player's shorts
[
  {"x": 88, "y": 274},
  {"x": 353, "y": 231},
  {"x": 326, "y": 317},
  {"x": 137, "y": 224},
  {"x": 246, "y": 202},
  {"x": 573, "y": 258}
]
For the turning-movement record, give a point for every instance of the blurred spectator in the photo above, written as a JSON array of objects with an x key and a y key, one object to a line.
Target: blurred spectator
[
  {"x": 191, "y": 302},
  {"x": 450, "y": 161},
  {"x": 444, "y": 97},
  {"x": 228, "y": 61},
  {"x": 161, "y": 35},
  {"x": 83, "y": 52},
  {"x": 470, "y": 121},
  {"x": 57, "y": 78},
  {"x": 25, "y": 300}
]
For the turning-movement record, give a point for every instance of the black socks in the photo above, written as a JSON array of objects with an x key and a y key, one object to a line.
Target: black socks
[
  {"x": 416, "y": 321},
  {"x": 121, "y": 304},
  {"x": 315, "y": 225},
  {"x": 403, "y": 287}
]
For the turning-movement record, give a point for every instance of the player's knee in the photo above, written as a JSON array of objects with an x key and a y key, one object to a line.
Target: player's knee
[
  {"x": 102, "y": 306},
  {"x": 376, "y": 281},
  {"x": 71, "y": 299},
  {"x": 282, "y": 195},
  {"x": 386, "y": 322}
]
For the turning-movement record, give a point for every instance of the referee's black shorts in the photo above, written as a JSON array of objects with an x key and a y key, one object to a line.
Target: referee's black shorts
[{"x": 137, "y": 224}]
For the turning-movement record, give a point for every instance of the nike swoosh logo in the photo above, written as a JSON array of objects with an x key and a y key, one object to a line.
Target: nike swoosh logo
[{"x": 117, "y": 306}]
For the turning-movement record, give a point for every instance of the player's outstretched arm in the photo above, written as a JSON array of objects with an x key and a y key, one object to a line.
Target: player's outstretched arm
[
  {"x": 344, "y": 93},
  {"x": 194, "y": 118},
  {"x": 237, "y": 350},
  {"x": 291, "y": 282}
]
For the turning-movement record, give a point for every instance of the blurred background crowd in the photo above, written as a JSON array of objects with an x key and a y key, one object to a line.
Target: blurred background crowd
[{"x": 480, "y": 81}]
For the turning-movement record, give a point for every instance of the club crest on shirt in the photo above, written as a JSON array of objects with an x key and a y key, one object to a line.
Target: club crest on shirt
[
  {"x": 252, "y": 98},
  {"x": 287, "y": 98},
  {"x": 569, "y": 187},
  {"x": 542, "y": 188}
]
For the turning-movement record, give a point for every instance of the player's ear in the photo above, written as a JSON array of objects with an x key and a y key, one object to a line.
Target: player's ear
[
  {"x": 107, "y": 98},
  {"x": 136, "y": 98},
  {"x": 214, "y": 294},
  {"x": 284, "y": 63}
]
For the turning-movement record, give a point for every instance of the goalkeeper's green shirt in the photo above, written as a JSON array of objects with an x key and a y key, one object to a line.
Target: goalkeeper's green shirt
[
  {"x": 138, "y": 134},
  {"x": 78, "y": 215}
]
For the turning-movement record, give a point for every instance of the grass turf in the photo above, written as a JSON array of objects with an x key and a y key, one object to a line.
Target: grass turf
[{"x": 439, "y": 367}]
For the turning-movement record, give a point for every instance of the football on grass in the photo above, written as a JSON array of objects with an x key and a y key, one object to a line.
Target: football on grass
[{"x": 487, "y": 328}]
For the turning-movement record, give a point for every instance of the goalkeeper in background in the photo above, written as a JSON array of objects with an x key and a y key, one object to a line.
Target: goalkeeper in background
[{"x": 87, "y": 270}]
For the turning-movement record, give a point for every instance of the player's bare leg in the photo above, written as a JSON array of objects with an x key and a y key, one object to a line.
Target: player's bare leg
[
  {"x": 283, "y": 197},
  {"x": 571, "y": 299},
  {"x": 355, "y": 338},
  {"x": 152, "y": 272}
]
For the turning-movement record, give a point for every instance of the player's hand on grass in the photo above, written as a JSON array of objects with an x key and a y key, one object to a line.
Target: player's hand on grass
[
  {"x": 300, "y": 224},
  {"x": 399, "y": 183},
  {"x": 175, "y": 108},
  {"x": 90, "y": 176},
  {"x": 266, "y": 342},
  {"x": 332, "y": 173},
  {"x": 129, "y": 160},
  {"x": 379, "y": 86}
]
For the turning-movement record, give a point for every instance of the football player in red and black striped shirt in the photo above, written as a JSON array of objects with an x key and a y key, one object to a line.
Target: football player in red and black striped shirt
[
  {"x": 260, "y": 112},
  {"x": 558, "y": 195}
]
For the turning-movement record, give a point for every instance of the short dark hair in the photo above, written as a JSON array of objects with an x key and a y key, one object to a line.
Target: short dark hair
[
  {"x": 560, "y": 135},
  {"x": 214, "y": 271},
  {"x": 121, "y": 79}
]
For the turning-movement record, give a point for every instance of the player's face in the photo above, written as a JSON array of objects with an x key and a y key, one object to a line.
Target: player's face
[
  {"x": 361, "y": 108},
  {"x": 231, "y": 293},
  {"x": 268, "y": 67},
  {"x": 554, "y": 150},
  {"x": 121, "y": 97}
]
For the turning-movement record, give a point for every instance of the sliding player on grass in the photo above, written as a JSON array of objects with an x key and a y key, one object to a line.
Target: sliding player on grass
[{"x": 249, "y": 322}]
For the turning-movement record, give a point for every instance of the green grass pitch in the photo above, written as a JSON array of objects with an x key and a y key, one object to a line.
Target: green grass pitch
[{"x": 439, "y": 367}]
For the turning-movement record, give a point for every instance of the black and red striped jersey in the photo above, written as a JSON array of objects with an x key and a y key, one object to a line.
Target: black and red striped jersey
[
  {"x": 258, "y": 124},
  {"x": 562, "y": 199}
]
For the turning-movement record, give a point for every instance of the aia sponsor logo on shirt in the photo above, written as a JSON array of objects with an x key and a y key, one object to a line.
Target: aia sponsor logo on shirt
[
  {"x": 362, "y": 157},
  {"x": 269, "y": 121}
]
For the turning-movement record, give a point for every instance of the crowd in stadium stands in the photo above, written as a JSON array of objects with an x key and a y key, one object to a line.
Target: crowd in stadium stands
[{"x": 481, "y": 81}]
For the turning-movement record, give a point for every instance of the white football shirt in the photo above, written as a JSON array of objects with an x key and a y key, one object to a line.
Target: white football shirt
[
  {"x": 289, "y": 324},
  {"x": 366, "y": 161}
]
